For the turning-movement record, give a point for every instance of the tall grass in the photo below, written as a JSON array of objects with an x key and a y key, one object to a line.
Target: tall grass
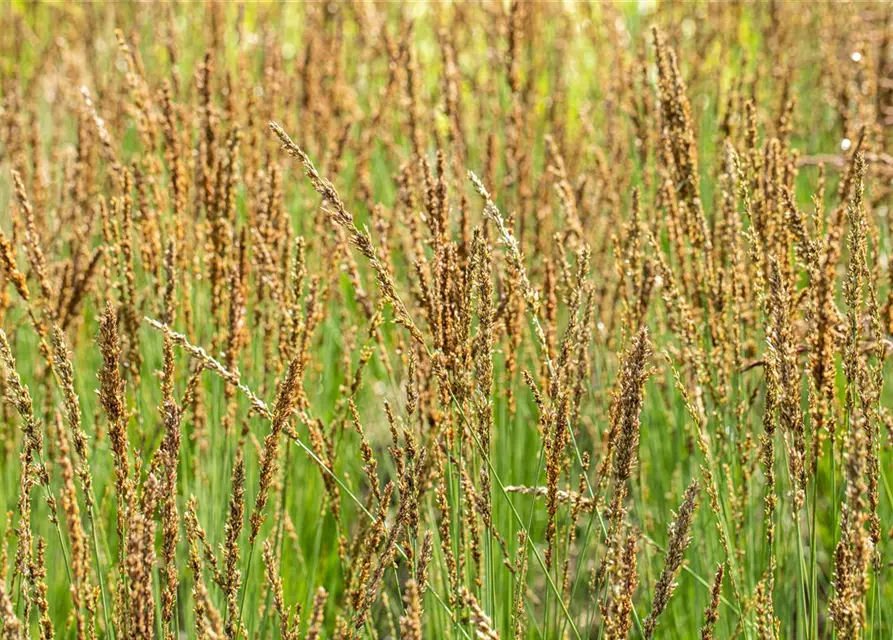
[{"x": 445, "y": 320}]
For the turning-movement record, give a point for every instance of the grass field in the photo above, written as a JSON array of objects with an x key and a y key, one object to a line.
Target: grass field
[{"x": 446, "y": 320}]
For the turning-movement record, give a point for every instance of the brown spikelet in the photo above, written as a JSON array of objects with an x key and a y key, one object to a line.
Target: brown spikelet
[
  {"x": 123, "y": 208},
  {"x": 519, "y": 619},
  {"x": 17, "y": 394},
  {"x": 64, "y": 370},
  {"x": 208, "y": 623},
  {"x": 679, "y": 539},
  {"x": 81, "y": 591},
  {"x": 786, "y": 374},
  {"x": 39, "y": 575},
  {"x": 289, "y": 620},
  {"x": 111, "y": 397},
  {"x": 35, "y": 254},
  {"x": 370, "y": 465},
  {"x": 11, "y": 269},
  {"x": 140, "y": 558},
  {"x": 766, "y": 622},
  {"x": 628, "y": 403},
  {"x": 170, "y": 455},
  {"x": 232, "y": 577},
  {"x": 711, "y": 613},
  {"x": 285, "y": 402},
  {"x": 617, "y": 614}
]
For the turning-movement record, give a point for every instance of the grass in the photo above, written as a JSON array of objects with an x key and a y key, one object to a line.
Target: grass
[{"x": 432, "y": 320}]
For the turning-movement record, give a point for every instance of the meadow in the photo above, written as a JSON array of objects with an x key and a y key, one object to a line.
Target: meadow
[{"x": 498, "y": 319}]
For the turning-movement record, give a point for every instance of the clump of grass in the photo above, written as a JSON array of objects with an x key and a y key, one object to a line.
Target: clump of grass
[{"x": 420, "y": 385}]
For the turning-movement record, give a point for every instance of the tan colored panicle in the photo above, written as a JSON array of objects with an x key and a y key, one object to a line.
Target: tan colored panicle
[
  {"x": 65, "y": 375},
  {"x": 285, "y": 402},
  {"x": 11, "y": 269},
  {"x": 12, "y": 626},
  {"x": 360, "y": 239},
  {"x": 81, "y": 590},
  {"x": 767, "y": 624},
  {"x": 679, "y": 539},
  {"x": 289, "y": 620},
  {"x": 232, "y": 531},
  {"x": 208, "y": 623},
  {"x": 370, "y": 464},
  {"x": 123, "y": 208},
  {"x": 32, "y": 241},
  {"x": 446, "y": 516},
  {"x": 38, "y": 576},
  {"x": 170, "y": 453},
  {"x": 787, "y": 375},
  {"x": 111, "y": 397},
  {"x": 317, "y": 615},
  {"x": 139, "y": 558},
  {"x": 633, "y": 373},
  {"x": 231, "y": 377},
  {"x": 17, "y": 394},
  {"x": 25, "y": 536},
  {"x": 411, "y": 621},
  {"x": 480, "y": 621},
  {"x": 767, "y": 455},
  {"x": 519, "y": 619},
  {"x": 711, "y": 613},
  {"x": 617, "y": 613},
  {"x": 678, "y": 135}
]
